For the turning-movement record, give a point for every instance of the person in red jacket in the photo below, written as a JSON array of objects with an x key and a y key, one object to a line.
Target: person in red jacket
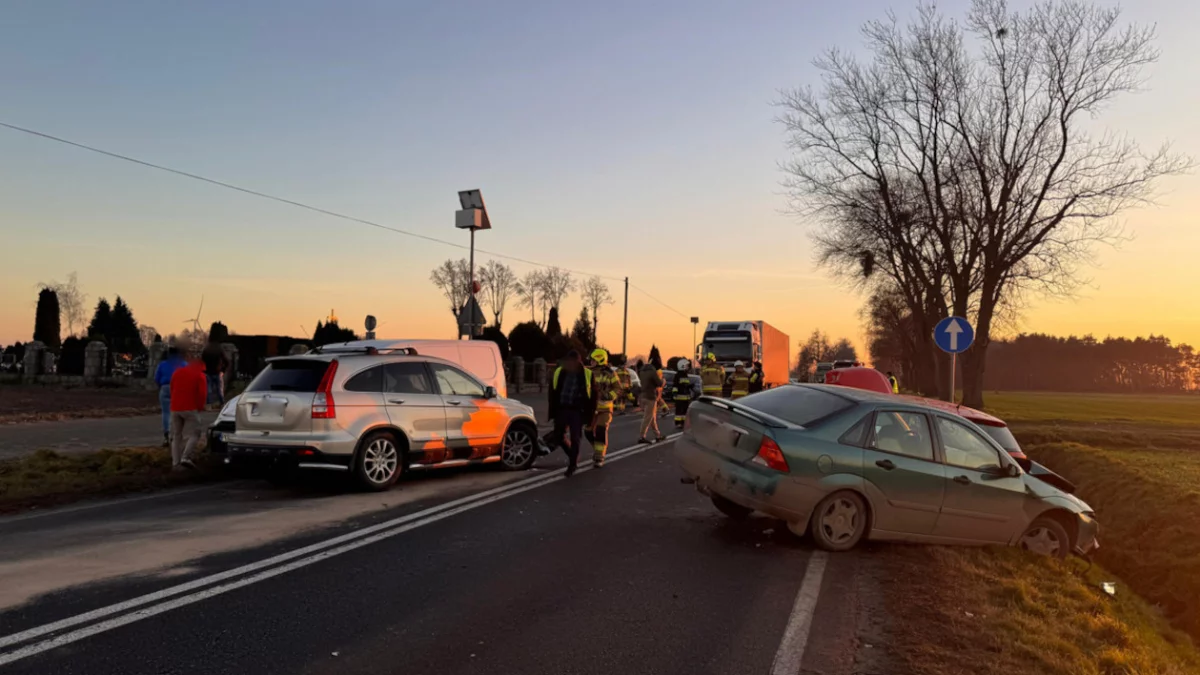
[{"x": 189, "y": 393}]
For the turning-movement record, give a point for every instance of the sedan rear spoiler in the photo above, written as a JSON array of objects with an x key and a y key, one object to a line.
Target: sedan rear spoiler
[{"x": 737, "y": 409}]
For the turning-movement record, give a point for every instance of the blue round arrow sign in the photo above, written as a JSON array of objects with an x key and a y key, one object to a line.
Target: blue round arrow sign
[{"x": 953, "y": 334}]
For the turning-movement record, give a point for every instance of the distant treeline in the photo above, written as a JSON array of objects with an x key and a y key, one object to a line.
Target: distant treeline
[{"x": 1040, "y": 362}]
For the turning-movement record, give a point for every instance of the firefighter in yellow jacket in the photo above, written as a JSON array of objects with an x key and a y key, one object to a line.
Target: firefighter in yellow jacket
[
  {"x": 740, "y": 381},
  {"x": 625, "y": 393},
  {"x": 712, "y": 376},
  {"x": 608, "y": 389}
]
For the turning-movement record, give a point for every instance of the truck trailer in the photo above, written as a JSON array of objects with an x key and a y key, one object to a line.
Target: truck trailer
[{"x": 747, "y": 341}]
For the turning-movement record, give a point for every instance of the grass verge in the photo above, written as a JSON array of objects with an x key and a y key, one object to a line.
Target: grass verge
[
  {"x": 47, "y": 478},
  {"x": 1164, "y": 410},
  {"x": 1148, "y": 502},
  {"x": 1003, "y": 611}
]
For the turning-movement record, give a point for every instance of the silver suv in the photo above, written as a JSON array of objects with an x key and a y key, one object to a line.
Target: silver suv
[{"x": 378, "y": 413}]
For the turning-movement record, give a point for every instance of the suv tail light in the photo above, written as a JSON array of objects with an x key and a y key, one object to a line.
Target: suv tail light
[
  {"x": 769, "y": 455},
  {"x": 323, "y": 407}
]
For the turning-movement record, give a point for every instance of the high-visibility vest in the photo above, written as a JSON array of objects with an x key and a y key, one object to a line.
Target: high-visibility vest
[
  {"x": 713, "y": 379},
  {"x": 587, "y": 378},
  {"x": 895, "y": 385},
  {"x": 741, "y": 384},
  {"x": 607, "y": 387}
]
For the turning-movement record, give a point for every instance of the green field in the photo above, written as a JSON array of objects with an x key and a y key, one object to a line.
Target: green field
[
  {"x": 1161, "y": 410},
  {"x": 1136, "y": 460}
]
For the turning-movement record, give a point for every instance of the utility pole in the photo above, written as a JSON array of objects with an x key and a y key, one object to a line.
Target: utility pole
[{"x": 625, "y": 323}]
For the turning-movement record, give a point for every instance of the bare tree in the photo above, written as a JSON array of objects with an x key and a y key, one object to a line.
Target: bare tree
[
  {"x": 595, "y": 294},
  {"x": 498, "y": 283},
  {"x": 452, "y": 278},
  {"x": 529, "y": 293},
  {"x": 147, "y": 333},
  {"x": 970, "y": 174},
  {"x": 72, "y": 303},
  {"x": 556, "y": 285}
]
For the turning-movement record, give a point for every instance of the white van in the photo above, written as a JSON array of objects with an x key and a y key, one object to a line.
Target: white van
[{"x": 481, "y": 358}]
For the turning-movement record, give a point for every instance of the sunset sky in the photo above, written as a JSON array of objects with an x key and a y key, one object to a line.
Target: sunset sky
[{"x": 610, "y": 138}]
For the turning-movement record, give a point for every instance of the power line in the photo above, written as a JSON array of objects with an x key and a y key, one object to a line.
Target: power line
[
  {"x": 647, "y": 294},
  {"x": 283, "y": 200}
]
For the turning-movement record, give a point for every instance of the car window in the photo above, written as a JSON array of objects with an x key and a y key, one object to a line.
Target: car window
[
  {"x": 966, "y": 448},
  {"x": 454, "y": 382},
  {"x": 369, "y": 380},
  {"x": 903, "y": 433},
  {"x": 798, "y": 405},
  {"x": 1002, "y": 436},
  {"x": 857, "y": 435},
  {"x": 302, "y": 375},
  {"x": 406, "y": 378}
]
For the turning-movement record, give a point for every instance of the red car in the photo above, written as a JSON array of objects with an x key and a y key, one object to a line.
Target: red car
[{"x": 873, "y": 380}]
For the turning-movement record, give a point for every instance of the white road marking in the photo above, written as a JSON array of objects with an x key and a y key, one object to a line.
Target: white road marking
[
  {"x": 790, "y": 654},
  {"x": 319, "y": 551}
]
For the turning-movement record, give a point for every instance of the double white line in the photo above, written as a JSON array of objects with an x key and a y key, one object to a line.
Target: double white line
[{"x": 50, "y": 636}]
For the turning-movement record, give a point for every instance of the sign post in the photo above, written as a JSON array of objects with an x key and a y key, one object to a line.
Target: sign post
[
  {"x": 953, "y": 335},
  {"x": 473, "y": 216}
]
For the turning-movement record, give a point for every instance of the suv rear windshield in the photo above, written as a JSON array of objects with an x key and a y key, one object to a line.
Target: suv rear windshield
[
  {"x": 290, "y": 375},
  {"x": 798, "y": 405},
  {"x": 1002, "y": 436}
]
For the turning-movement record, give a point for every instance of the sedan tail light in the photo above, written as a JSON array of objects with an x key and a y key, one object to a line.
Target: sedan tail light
[
  {"x": 770, "y": 456},
  {"x": 323, "y": 407}
]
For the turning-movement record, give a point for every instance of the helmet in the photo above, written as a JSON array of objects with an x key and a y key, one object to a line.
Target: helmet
[
  {"x": 738, "y": 364},
  {"x": 711, "y": 357},
  {"x": 600, "y": 357},
  {"x": 683, "y": 364}
]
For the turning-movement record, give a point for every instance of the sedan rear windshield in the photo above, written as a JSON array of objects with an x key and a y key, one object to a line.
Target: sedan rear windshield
[
  {"x": 1002, "y": 436},
  {"x": 798, "y": 405},
  {"x": 290, "y": 375}
]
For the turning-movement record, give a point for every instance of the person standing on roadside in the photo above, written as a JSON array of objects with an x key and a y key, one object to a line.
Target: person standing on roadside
[
  {"x": 652, "y": 384},
  {"x": 189, "y": 394},
  {"x": 756, "y": 378},
  {"x": 215, "y": 364},
  {"x": 572, "y": 403},
  {"x": 162, "y": 377}
]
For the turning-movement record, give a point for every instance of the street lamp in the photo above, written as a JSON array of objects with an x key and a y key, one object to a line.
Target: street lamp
[
  {"x": 695, "y": 346},
  {"x": 473, "y": 216}
]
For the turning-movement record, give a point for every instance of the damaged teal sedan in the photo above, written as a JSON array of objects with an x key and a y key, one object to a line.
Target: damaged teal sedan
[{"x": 845, "y": 465}]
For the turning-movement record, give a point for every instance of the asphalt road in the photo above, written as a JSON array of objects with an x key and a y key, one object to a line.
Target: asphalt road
[{"x": 622, "y": 569}]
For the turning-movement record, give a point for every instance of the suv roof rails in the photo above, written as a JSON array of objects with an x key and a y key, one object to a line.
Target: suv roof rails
[{"x": 370, "y": 351}]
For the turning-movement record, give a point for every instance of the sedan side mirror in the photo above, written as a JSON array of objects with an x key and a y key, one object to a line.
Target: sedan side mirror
[
  {"x": 1012, "y": 470},
  {"x": 490, "y": 392}
]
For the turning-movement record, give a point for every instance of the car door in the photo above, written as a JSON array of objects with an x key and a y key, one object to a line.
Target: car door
[
  {"x": 902, "y": 475},
  {"x": 983, "y": 503},
  {"x": 417, "y": 409},
  {"x": 360, "y": 404},
  {"x": 475, "y": 424}
]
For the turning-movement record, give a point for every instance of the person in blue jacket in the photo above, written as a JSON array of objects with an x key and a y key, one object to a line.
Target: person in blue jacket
[{"x": 162, "y": 377}]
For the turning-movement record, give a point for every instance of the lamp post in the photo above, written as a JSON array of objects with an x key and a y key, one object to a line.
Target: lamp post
[
  {"x": 695, "y": 346},
  {"x": 473, "y": 216}
]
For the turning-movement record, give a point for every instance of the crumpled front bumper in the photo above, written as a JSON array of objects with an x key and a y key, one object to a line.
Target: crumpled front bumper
[{"x": 1087, "y": 539}]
